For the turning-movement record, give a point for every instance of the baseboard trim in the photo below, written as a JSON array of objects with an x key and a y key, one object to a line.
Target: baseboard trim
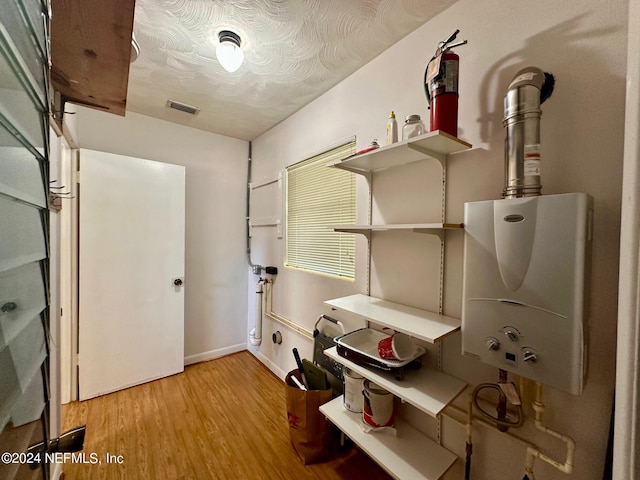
[
  {"x": 268, "y": 363},
  {"x": 213, "y": 354}
]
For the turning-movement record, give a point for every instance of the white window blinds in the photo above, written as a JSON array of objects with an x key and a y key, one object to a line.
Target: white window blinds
[
  {"x": 318, "y": 196},
  {"x": 24, "y": 249}
]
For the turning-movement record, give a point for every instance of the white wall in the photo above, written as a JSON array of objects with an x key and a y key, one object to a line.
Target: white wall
[
  {"x": 215, "y": 264},
  {"x": 627, "y": 425},
  {"x": 584, "y": 45},
  {"x": 55, "y": 289}
]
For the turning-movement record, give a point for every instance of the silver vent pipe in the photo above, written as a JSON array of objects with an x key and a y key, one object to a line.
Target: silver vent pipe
[{"x": 527, "y": 91}]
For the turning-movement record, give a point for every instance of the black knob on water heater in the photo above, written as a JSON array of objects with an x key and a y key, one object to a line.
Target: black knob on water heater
[
  {"x": 493, "y": 344},
  {"x": 529, "y": 356},
  {"x": 512, "y": 335}
]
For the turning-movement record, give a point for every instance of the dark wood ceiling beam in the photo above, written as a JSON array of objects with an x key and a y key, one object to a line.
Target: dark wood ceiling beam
[{"x": 90, "y": 51}]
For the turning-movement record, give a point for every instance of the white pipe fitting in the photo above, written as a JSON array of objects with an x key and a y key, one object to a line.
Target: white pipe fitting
[
  {"x": 538, "y": 408},
  {"x": 255, "y": 336}
]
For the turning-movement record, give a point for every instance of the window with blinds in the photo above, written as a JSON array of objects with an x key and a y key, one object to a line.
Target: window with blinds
[
  {"x": 24, "y": 316},
  {"x": 318, "y": 196}
]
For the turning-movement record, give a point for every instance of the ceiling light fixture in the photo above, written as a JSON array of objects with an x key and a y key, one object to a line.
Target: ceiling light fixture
[{"x": 228, "y": 51}]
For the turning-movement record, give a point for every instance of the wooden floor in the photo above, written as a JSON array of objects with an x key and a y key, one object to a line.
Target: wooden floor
[{"x": 223, "y": 419}]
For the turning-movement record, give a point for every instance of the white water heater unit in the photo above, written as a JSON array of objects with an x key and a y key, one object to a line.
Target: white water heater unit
[{"x": 524, "y": 286}]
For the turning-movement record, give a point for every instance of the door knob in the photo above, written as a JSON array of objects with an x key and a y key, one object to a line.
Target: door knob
[{"x": 177, "y": 282}]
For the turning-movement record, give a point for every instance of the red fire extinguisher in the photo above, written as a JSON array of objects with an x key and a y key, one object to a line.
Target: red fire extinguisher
[{"x": 441, "y": 87}]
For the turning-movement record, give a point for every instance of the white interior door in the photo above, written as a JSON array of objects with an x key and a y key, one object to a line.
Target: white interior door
[{"x": 131, "y": 249}]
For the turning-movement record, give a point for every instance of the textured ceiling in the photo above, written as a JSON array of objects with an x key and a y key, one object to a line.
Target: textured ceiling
[{"x": 295, "y": 50}]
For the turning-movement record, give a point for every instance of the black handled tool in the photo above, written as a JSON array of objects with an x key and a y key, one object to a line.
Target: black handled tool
[{"x": 300, "y": 367}]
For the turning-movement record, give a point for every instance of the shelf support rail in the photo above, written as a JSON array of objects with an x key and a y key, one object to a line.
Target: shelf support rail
[
  {"x": 441, "y": 235},
  {"x": 443, "y": 163}
]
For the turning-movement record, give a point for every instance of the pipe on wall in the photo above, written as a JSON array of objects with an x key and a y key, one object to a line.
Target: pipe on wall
[
  {"x": 467, "y": 419},
  {"x": 527, "y": 91},
  {"x": 299, "y": 329},
  {"x": 533, "y": 453},
  {"x": 255, "y": 336}
]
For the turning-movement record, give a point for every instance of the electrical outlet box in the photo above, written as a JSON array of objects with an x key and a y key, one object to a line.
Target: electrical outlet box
[{"x": 257, "y": 269}]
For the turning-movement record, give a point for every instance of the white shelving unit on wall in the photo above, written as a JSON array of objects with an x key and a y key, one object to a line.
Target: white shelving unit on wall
[
  {"x": 426, "y": 389},
  {"x": 437, "y": 229},
  {"x": 421, "y": 324},
  {"x": 410, "y": 454},
  {"x": 436, "y": 145}
]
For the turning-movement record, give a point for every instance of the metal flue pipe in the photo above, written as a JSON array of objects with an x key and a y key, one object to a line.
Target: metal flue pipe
[{"x": 527, "y": 91}]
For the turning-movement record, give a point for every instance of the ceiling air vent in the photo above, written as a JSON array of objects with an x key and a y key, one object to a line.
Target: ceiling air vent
[{"x": 183, "y": 107}]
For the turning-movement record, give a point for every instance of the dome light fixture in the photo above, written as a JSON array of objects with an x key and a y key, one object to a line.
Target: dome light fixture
[{"x": 228, "y": 51}]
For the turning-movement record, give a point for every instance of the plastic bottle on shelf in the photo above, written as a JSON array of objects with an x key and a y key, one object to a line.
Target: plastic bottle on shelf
[
  {"x": 392, "y": 129},
  {"x": 412, "y": 127}
]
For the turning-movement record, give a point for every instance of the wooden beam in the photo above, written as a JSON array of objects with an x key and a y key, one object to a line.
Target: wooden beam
[{"x": 90, "y": 50}]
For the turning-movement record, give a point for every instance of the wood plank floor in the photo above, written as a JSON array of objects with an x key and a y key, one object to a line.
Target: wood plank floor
[{"x": 223, "y": 419}]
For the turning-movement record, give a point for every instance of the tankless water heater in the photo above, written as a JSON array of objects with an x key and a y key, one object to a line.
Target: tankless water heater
[{"x": 524, "y": 286}]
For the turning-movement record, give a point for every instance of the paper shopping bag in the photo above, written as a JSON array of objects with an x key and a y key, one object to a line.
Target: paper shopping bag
[{"x": 309, "y": 431}]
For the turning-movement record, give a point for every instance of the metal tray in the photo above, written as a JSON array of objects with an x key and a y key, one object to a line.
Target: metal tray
[{"x": 361, "y": 346}]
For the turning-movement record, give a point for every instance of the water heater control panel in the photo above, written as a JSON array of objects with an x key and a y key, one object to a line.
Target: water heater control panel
[{"x": 525, "y": 264}]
